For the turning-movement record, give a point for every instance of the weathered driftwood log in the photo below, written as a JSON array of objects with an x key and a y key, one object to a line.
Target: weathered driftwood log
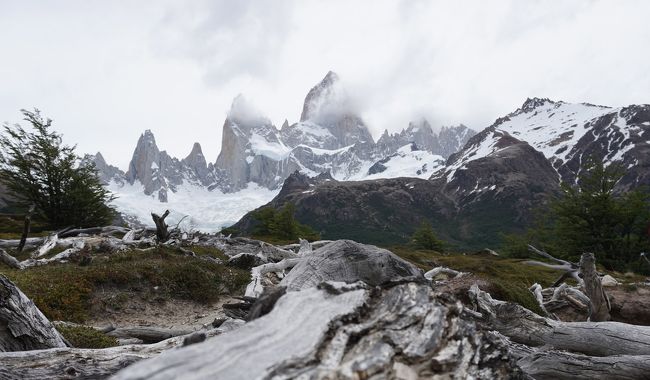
[
  {"x": 433, "y": 273},
  {"x": 147, "y": 334},
  {"x": 545, "y": 364},
  {"x": 29, "y": 242},
  {"x": 342, "y": 331},
  {"x": 63, "y": 256},
  {"x": 599, "y": 305},
  {"x": 256, "y": 286},
  {"x": 570, "y": 269},
  {"x": 349, "y": 261},
  {"x": 78, "y": 363},
  {"x": 22, "y": 326},
  {"x": 48, "y": 245},
  {"x": 105, "y": 231},
  {"x": 162, "y": 229},
  {"x": 589, "y": 338},
  {"x": 9, "y": 260}
]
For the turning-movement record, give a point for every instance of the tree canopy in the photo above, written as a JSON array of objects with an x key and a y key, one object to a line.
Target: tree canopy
[
  {"x": 282, "y": 224},
  {"x": 592, "y": 215},
  {"x": 424, "y": 237},
  {"x": 39, "y": 169}
]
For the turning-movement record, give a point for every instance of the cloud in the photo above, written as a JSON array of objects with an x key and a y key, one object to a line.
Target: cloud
[{"x": 106, "y": 71}]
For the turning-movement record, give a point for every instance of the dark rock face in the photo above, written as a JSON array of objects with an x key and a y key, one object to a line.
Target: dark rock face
[
  {"x": 330, "y": 136},
  {"x": 106, "y": 172},
  {"x": 348, "y": 261},
  {"x": 447, "y": 141},
  {"x": 488, "y": 197}
]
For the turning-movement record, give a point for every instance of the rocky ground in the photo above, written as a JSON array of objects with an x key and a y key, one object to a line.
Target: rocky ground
[{"x": 355, "y": 311}]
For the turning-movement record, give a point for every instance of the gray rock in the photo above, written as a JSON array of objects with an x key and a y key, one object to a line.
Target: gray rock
[{"x": 349, "y": 261}]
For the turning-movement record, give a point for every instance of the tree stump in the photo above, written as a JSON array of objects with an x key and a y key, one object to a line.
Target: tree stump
[
  {"x": 162, "y": 232},
  {"x": 599, "y": 303}
]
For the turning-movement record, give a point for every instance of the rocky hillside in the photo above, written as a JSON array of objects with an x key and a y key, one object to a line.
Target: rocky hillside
[
  {"x": 488, "y": 188},
  {"x": 567, "y": 135}
]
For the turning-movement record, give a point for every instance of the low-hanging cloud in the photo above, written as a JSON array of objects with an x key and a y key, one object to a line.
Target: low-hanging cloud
[{"x": 117, "y": 68}]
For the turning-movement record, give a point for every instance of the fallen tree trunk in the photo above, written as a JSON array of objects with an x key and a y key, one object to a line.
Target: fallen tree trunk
[
  {"x": 63, "y": 363},
  {"x": 147, "y": 334},
  {"x": 60, "y": 257},
  {"x": 589, "y": 338},
  {"x": 106, "y": 230},
  {"x": 29, "y": 242},
  {"x": 9, "y": 260},
  {"x": 22, "y": 326},
  {"x": 341, "y": 332}
]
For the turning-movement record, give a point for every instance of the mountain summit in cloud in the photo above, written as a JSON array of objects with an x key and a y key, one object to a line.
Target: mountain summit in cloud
[{"x": 330, "y": 138}]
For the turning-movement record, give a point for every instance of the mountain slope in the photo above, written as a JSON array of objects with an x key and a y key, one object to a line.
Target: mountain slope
[
  {"x": 489, "y": 188},
  {"x": 567, "y": 135}
]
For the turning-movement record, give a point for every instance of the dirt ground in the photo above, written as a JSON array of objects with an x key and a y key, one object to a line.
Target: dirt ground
[{"x": 122, "y": 309}]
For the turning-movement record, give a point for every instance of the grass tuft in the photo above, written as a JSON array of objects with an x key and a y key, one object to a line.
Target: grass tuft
[{"x": 86, "y": 337}]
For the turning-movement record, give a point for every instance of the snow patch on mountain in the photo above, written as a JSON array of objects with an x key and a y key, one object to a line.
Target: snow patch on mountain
[
  {"x": 408, "y": 161},
  {"x": 206, "y": 211},
  {"x": 553, "y": 128}
]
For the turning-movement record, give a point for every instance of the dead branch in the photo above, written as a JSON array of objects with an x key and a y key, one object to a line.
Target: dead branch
[
  {"x": 162, "y": 232},
  {"x": 24, "y": 327},
  {"x": 588, "y": 338},
  {"x": 26, "y": 226}
]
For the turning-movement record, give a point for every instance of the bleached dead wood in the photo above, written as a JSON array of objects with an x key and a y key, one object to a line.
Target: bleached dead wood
[
  {"x": 9, "y": 260},
  {"x": 104, "y": 231},
  {"x": 29, "y": 242},
  {"x": 570, "y": 269},
  {"x": 599, "y": 305},
  {"x": 22, "y": 326},
  {"x": 341, "y": 331},
  {"x": 305, "y": 248},
  {"x": 546, "y": 364},
  {"x": 48, "y": 245},
  {"x": 64, "y": 363},
  {"x": 129, "y": 236},
  {"x": 589, "y": 338},
  {"x": 430, "y": 275},
  {"x": 147, "y": 334},
  {"x": 255, "y": 287},
  {"x": 63, "y": 256}
]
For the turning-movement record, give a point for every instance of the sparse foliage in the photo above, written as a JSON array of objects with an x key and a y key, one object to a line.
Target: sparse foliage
[
  {"x": 38, "y": 168},
  {"x": 424, "y": 237},
  {"x": 282, "y": 224},
  {"x": 591, "y": 216}
]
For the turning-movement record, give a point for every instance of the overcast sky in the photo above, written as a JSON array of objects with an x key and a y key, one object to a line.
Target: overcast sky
[{"x": 107, "y": 70}]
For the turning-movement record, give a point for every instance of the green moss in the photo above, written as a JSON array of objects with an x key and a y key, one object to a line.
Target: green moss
[
  {"x": 86, "y": 337},
  {"x": 208, "y": 251},
  {"x": 68, "y": 291},
  {"x": 509, "y": 278}
]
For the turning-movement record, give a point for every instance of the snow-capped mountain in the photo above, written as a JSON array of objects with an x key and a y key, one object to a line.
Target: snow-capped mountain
[
  {"x": 567, "y": 135},
  {"x": 489, "y": 188},
  {"x": 330, "y": 137}
]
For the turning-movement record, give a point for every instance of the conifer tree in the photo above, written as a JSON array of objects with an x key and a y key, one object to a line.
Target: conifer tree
[{"x": 39, "y": 169}]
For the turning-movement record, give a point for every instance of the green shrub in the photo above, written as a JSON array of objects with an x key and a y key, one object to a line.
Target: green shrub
[
  {"x": 86, "y": 337},
  {"x": 67, "y": 291},
  {"x": 425, "y": 238},
  {"x": 281, "y": 225}
]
